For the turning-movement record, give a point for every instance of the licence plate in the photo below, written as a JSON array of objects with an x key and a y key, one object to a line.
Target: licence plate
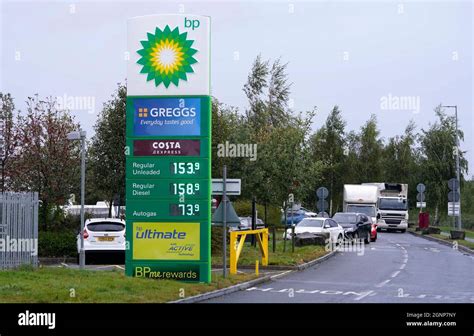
[{"x": 105, "y": 239}]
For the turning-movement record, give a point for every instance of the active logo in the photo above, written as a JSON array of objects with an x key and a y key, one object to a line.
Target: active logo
[{"x": 167, "y": 56}]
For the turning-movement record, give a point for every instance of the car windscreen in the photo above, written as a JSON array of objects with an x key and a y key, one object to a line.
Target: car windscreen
[
  {"x": 369, "y": 210},
  {"x": 311, "y": 223},
  {"x": 392, "y": 204},
  {"x": 345, "y": 218},
  {"x": 105, "y": 227}
]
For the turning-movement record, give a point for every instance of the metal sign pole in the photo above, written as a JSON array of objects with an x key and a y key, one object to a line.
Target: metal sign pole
[
  {"x": 224, "y": 222},
  {"x": 82, "y": 259}
]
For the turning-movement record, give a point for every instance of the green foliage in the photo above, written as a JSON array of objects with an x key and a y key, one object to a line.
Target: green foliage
[
  {"x": 327, "y": 146},
  {"x": 106, "y": 153},
  {"x": 438, "y": 159},
  {"x": 57, "y": 243},
  {"x": 243, "y": 208},
  {"x": 45, "y": 160}
]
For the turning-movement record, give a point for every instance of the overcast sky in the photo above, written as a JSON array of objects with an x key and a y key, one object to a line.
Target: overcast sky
[{"x": 353, "y": 54}]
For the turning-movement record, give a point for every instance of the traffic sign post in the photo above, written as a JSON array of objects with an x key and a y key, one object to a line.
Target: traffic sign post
[
  {"x": 321, "y": 204},
  {"x": 420, "y": 197},
  {"x": 168, "y": 153},
  {"x": 454, "y": 199}
]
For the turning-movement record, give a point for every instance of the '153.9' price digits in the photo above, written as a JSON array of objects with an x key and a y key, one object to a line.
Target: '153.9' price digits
[{"x": 185, "y": 168}]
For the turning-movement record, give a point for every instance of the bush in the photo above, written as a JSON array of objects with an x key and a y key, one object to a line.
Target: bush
[
  {"x": 244, "y": 209},
  {"x": 216, "y": 240},
  {"x": 57, "y": 244}
]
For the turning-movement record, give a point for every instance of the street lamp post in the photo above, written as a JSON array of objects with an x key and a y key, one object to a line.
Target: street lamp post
[
  {"x": 81, "y": 135},
  {"x": 458, "y": 172}
]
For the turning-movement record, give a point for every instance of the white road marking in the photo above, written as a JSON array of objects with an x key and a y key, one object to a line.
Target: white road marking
[
  {"x": 383, "y": 283},
  {"x": 402, "y": 266},
  {"x": 395, "y": 274},
  {"x": 364, "y": 295},
  {"x": 276, "y": 276}
]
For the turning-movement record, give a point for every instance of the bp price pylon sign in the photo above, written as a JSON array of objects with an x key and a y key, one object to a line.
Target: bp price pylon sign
[{"x": 168, "y": 173}]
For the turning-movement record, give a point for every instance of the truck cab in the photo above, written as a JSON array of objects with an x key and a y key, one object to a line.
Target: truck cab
[{"x": 392, "y": 206}]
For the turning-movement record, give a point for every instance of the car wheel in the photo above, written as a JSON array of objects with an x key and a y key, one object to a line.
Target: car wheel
[
  {"x": 367, "y": 238},
  {"x": 374, "y": 239},
  {"x": 403, "y": 231},
  {"x": 339, "y": 241}
]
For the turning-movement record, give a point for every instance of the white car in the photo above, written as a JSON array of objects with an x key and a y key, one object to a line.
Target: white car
[
  {"x": 319, "y": 225},
  {"x": 103, "y": 235}
]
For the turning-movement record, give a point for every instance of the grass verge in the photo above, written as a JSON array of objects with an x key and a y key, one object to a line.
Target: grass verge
[
  {"x": 62, "y": 285},
  {"x": 300, "y": 256},
  {"x": 439, "y": 236},
  {"x": 469, "y": 233}
]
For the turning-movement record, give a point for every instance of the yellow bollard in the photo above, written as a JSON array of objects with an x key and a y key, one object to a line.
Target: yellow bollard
[{"x": 256, "y": 267}]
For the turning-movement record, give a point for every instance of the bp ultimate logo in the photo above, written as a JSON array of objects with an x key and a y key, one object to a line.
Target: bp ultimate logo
[
  {"x": 167, "y": 56},
  {"x": 167, "y": 116}
]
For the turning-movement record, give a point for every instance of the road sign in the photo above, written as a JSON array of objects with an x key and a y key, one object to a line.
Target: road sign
[
  {"x": 453, "y": 196},
  {"x": 230, "y": 215},
  {"x": 168, "y": 148},
  {"x": 232, "y": 186},
  {"x": 453, "y": 184},
  {"x": 322, "y": 192},
  {"x": 421, "y": 204},
  {"x": 322, "y": 205},
  {"x": 453, "y": 208},
  {"x": 420, "y": 187},
  {"x": 420, "y": 197}
]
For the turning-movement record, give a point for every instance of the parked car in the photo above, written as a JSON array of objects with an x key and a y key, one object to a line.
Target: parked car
[
  {"x": 103, "y": 235},
  {"x": 356, "y": 225},
  {"x": 246, "y": 223},
  {"x": 318, "y": 225},
  {"x": 294, "y": 216}
]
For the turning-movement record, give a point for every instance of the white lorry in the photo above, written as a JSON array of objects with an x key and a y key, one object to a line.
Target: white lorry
[
  {"x": 361, "y": 198},
  {"x": 392, "y": 206}
]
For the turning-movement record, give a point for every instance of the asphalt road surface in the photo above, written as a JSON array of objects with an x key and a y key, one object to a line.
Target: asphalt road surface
[{"x": 398, "y": 268}]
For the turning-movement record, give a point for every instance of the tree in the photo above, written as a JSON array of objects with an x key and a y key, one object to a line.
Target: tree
[
  {"x": 370, "y": 154},
  {"x": 268, "y": 92},
  {"x": 328, "y": 145},
  {"x": 438, "y": 158},
  {"x": 254, "y": 90},
  {"x": 401, "y": 161},
  {"x": 46, "y": 161},
  {"x": 7, "y": 108},
  {"x": 107, "y": 150},
  {"x": 227, "y": 125}
]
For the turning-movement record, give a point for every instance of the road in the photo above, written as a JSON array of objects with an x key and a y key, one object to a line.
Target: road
[{"x": 398, "y": 268}]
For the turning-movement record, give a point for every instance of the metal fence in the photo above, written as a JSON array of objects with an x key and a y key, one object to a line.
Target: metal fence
[{"x": 18, "y": 229}]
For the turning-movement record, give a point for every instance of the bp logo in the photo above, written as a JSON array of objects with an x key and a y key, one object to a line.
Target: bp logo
[{"x": 167, "y": 56}]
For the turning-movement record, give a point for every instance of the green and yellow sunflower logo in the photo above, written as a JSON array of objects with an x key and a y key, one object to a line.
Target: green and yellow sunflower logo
[{"x": 167, "y": 56}]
